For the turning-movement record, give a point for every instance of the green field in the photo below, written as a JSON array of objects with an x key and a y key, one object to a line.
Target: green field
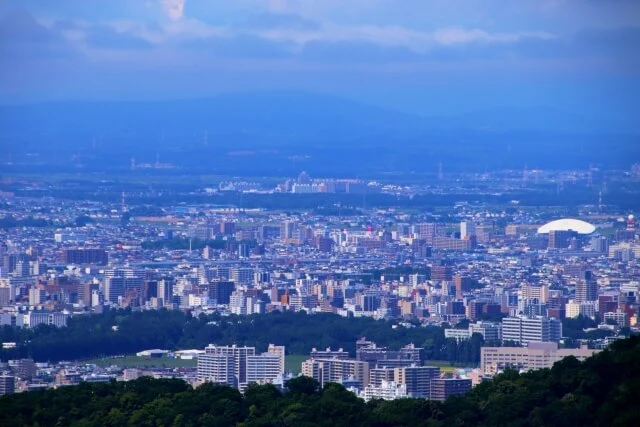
[
  {"x": 293, "y": 362},
  {"x": 444, "y": 365},
  {"x": 141, "y": 362}
]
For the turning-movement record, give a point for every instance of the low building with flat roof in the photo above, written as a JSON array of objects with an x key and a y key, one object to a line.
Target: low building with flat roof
[{"x": 537, "y": 355}]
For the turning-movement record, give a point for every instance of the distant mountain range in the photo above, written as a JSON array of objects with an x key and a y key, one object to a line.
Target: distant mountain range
[{"x": 308, "y": 123}]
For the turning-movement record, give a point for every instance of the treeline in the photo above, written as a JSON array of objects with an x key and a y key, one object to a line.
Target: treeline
[
  {"x": 11, "y": 222},
  {"x": 125, "y": 332},
  {"x": 603, "y": 390},
  {"x": 625, "y": 199},
  {"x": 184, "y": 243}
]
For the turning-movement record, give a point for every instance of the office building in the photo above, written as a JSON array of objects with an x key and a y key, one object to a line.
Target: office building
[
  {"x": 120, "y": 286},
  {"x": 457, "y": 334},
  {"x": 242, "y": 275},
  {"x": 490, "y": 331},
  {"x": 443, "y": 388},
  {"x": 463, "y": 284},
  {"x": 534, "y": 292},
  {"x": 537, "y": 355},
  {"x": 467, "y": 228},
  {"x": 7, "y": 384},
  {"x": 220, "y": 291},
  {"x": 280, "y": 351},
  {"x": 600, "y": 244},
  {"x": 288, "y": 230},
  {"x": 574, "y": 309},
  {"x": 560, "y": 239},
  {"x": 25, "y": 369},
  {"x": 37, "y": 296},
  {"x": 587, "y": 288},
  {"x": 85, "y": 256},
  {"x": 35, "y": 318},
  {"x": 417, "y": 379}
]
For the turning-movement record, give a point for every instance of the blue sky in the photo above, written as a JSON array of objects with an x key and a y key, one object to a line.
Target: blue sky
[{"x": 424, "y": 56}]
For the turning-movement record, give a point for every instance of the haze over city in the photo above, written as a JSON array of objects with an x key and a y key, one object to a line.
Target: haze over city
[{"x": 330, "y": 212}]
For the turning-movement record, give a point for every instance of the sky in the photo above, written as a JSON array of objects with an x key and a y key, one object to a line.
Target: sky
[{"x": 421, "y": 56}]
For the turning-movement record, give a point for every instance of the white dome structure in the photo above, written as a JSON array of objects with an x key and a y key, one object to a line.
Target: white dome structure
[{"x": 566, "y": 224}]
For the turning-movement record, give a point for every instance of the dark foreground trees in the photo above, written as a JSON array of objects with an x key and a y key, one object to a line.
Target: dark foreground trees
[{"x": 603, "y": 390}]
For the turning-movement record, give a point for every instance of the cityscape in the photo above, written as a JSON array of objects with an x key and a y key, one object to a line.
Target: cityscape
[
  {"x": 505, "y": 275},
  {"x": 379, "y": 213}
]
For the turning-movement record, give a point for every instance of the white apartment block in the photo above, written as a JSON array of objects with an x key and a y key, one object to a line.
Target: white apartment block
[
  {"x": 262, "y": 368},
  {"x": 525, "y": 329},
  {"x": 336, "y": 371},
  {"x": 217, "y": 368},
  {"x": 387, "y": 390}
]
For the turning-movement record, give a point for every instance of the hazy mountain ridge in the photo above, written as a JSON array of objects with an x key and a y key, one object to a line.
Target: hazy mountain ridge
[{"x": 341, "y": 133}]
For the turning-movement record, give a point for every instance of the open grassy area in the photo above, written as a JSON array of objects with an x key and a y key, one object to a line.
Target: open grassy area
[
  {"x": 141, "y": 362},
  {"x": 442, "y": 364},
  {"x": 293, "y": 362}
]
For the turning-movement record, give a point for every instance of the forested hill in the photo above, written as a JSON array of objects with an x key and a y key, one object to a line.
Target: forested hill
[{"x": 601, "y": 391}]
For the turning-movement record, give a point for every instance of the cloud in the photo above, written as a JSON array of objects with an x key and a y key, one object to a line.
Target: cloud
[
  {"x": 22, "y": 36},
  {"x": 174, "y": 8},
  {"x": 239, "y": 46},
  {"x": 264, "y": 21},
  {"x": 453, "y": 36},
  {"x": 106, "y": 37}
]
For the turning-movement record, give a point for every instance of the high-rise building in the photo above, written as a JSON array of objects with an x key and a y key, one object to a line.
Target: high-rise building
[
  {"x": 120, "y": 286},
  {"x": 587, "y": 288},
  {"x": 262, "y": 368},
  {"x": 530, "y": 292},
  {"x": 7, "y": 384},
  {"x": 280, "y": 351},
  {"x": 220, "y": 291},
  {"x": 463, "y": 284},
  {"x": 467, "y": 228},
  {"x": 600, "y": 244},
  {"x": 217, "y": 368},
  {"x": 490, "y": 331},
  {"x": 417, "y": 379},
  {"x": 441, "y": 272},
  {"x": 25, "y": 369},
  {"x": 239, "y": 355},
  {"x": 85, "y": 256},
  {"x": 37, "y": 296},
  {"x": 242, "y": 275},
  {"x": 524, "y": 329},
  {"x": 336, "y": 370},
  {"x": 443, "y": 388},
  {"x": 7, "y": 294},
  {"x": 288, "y": 230},
  {"x": 560, "y": 239}
]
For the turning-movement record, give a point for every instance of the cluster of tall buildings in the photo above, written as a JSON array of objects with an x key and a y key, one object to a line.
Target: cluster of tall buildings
[
  {"x": 239, "y": 366},
  {"x": 377, "y": 372},
  {"x": 304, "y": 184}
]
